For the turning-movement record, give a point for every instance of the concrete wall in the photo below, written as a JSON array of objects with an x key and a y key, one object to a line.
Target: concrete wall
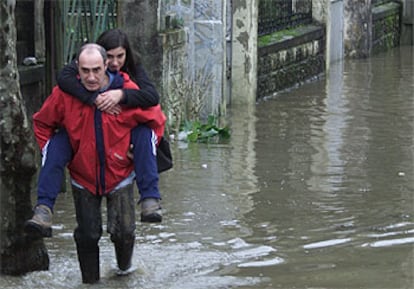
[
  {"x": 139, "y": 19},
  {"x": 221, "y": 43},
  {"x": 320, "y": 10},
  {"x": 386, "y": 26},
  {"x": 289, "y": 61},
  {"x": 353, "y": 29},
  {"x": 357, "y": 28},
  {"x": 407, "y": 29},
  {"x": 244, "y": 51},
  {"x": 335, "y": 32},
  {"x": 218, "y": 39},
  {"x": 370, "y": 29},
  {"x": 205, "y": 26},
  {"x": 174, "y": 64}
]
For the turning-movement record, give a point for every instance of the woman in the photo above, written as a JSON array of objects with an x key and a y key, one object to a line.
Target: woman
[
  {"x": 121, "y": 58},
  {"x": 59, "y": 152}
]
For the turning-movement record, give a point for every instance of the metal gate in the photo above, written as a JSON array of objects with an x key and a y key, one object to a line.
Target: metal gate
[
  {"x": 81, "y": 21},
  {"x": 276, "y": 15}
]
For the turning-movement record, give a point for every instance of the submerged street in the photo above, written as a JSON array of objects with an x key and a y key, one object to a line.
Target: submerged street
[{"x": 315, "y": 189}]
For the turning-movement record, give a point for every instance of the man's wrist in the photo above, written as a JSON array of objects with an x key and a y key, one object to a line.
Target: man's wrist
[{"x": 124, "y": 97}]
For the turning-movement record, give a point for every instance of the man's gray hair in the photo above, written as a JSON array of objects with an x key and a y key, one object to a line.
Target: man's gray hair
[{"x": 92, "y": 46}]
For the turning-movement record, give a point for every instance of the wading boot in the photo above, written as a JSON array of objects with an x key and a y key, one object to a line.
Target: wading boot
[
  {"x": 123, "y": 252},
  {"x": 151, "y": 211},
  {"x": 40, "y": 225},
  {"x": 89, "y": 264}
]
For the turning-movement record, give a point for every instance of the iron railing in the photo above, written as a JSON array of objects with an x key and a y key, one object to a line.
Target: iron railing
[
  {"x": 83, "y": 21},
  {"x": 380, "y": 2},
  {"x": 276, "y": 15}
]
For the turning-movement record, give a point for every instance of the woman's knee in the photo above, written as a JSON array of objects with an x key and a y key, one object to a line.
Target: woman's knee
[
  {"x": 141, "y": 131},
  {"x": 60, "y": 146}
]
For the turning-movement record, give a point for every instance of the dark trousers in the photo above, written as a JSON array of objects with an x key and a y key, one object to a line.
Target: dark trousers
[{"x": 120, "y": 226}]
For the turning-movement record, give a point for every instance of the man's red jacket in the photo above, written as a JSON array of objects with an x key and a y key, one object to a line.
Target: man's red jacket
[{"x": 63, "y": 110}]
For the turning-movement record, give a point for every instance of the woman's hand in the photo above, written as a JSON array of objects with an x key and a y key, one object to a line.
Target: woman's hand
[{"x": 108, "y": 101}]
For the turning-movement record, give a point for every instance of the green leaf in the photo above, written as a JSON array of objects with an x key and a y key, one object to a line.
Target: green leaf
[{"x": 206, "y": 132}]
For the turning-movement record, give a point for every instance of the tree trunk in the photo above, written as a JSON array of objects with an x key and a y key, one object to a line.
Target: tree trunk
[{"x": 19, "y": 254}]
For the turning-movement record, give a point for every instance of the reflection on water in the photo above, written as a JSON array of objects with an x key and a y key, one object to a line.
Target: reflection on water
[
  {"x": 314, "y": 190},
  {"x": 341, "y": 186}
]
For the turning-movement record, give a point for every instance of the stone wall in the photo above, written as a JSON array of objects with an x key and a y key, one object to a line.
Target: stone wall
[
  {"x": 357, "y": 28},
  {"x": 292, "y": 57},
  {"x": 407, "y": 29},
  {"x": 181, "y": 41},
  {"x": 282, "y": 63},
  {"x": 139, "y": 20},
  {"x": 174, "y": 56},
  {"x": 386, "y": 26},
  {"x": 244, "y": 50},
  {"x": 369, "y": 28}
]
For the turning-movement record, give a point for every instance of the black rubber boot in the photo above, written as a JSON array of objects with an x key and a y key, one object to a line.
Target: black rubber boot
[
  {"x": 123, "y": 252},
  {"x": 89, "y": 264},
  {"x": 121, "y": 226},
  {"x": 88, "y": 232}
]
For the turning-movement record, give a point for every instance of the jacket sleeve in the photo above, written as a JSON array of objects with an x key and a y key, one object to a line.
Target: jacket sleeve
[
  {"x": 152, "y": 116},
  {"x": 69, "y": 83},
  {"x": 48, "y": 118},
  {"x": 146, "y": 96}
]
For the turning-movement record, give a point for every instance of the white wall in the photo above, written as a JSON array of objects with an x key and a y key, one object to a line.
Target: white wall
[
  {"x": 244, "y": 51},
  {"x": 335, "y": 32}
]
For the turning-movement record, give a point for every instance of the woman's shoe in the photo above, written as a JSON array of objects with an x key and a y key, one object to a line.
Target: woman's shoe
[
  {"x": 40, "y": 225},
  {"x": 151, "y": 211}
]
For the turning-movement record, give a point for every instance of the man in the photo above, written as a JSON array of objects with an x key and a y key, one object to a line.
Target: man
[
  {"x": 99, "y": 166},
  {"x": 59, "y": 151}
]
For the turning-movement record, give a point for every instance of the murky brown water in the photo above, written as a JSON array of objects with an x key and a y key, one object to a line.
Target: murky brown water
[{"x": 314, "y": 190}]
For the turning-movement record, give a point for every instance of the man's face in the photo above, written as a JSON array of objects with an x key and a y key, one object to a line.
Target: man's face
[{"x": 92, "y": 70}]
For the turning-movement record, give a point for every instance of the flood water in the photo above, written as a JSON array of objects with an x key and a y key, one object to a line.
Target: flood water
[{"x": 314, "y": 190}]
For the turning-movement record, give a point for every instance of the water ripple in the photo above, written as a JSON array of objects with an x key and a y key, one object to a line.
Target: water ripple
[
  {"x": 388, "y": 243},
  {"x": 327, "y": 243}
]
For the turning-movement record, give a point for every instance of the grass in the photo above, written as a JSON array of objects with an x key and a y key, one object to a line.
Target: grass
[{"x": 277, "y": 36}]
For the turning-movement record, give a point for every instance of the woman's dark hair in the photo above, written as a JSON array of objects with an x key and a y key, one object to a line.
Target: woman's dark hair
[{"x": 114, "y": 38}]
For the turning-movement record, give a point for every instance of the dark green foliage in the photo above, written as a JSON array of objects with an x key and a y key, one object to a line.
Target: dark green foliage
[{"x": 208, "y": 132}]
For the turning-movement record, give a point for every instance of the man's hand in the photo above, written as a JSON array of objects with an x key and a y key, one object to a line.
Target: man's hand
[
  {"x": 108, "y": 101},
  {"x": 114, "y": 110},
  {"x": 130, "y": 152}
]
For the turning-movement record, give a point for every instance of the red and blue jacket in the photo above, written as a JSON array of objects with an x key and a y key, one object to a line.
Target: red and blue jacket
[{"x": 100, "y": 141}]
